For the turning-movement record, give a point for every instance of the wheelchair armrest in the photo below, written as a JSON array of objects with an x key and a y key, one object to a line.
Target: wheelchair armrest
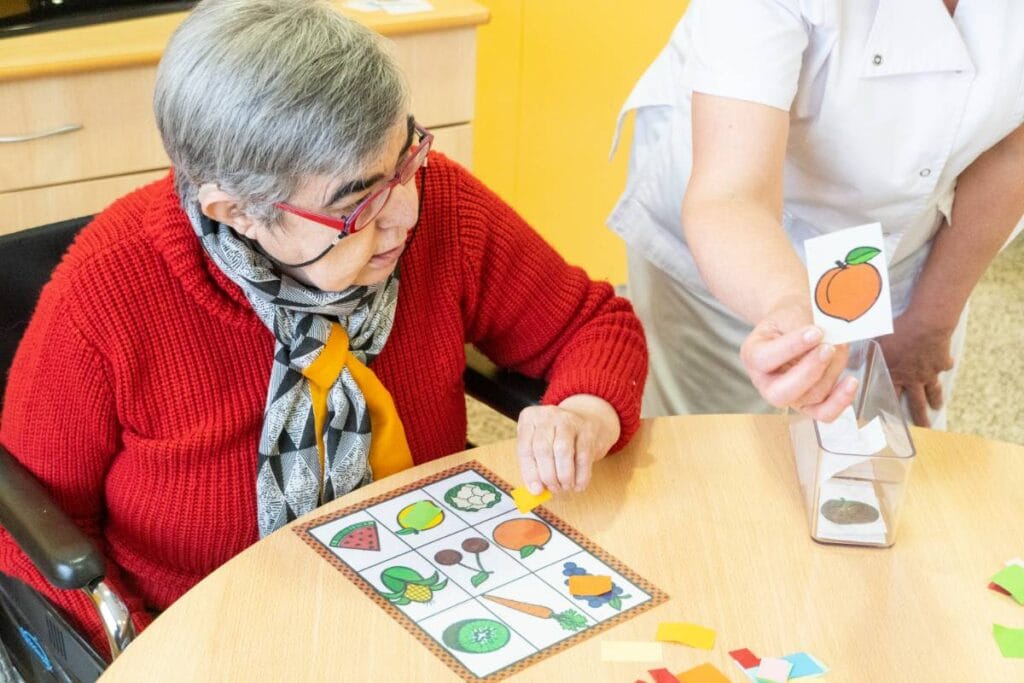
[
  {"x": 507, "y": 392},
  {"x": 58, "y": 548}
]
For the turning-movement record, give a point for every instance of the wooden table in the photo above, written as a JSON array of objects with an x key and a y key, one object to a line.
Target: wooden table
[{"x": 706, "y": 508}]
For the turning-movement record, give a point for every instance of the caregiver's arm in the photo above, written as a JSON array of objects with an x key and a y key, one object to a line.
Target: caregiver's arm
[
  {"x": 731, "y": 217},
  {"x": 989, "y": 203},
  {"x": 733, "y": 206}
]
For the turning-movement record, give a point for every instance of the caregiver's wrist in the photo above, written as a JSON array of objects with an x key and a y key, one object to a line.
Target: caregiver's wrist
[
  {"x": 788, "y": 311},
  {"x": 930, "y": 320}
]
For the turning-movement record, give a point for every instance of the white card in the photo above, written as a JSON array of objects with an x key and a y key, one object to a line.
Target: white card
[
  {"x": 844, "y": 436},
  {"x": 405, "y": 6},
  {"x": 849, "y": 280},
  {"x": 390, "y": 6},
  {"x": 363, "y": 5},
  {"x": 843, "y": 439}
]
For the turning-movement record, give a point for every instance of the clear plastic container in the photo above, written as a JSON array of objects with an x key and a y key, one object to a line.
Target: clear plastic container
[{"x": 854, "y": 473}]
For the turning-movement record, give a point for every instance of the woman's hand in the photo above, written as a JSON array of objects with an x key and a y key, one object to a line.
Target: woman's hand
[
  {"x": 789, "y": 365},
  {"x": 558, "y": 445},
  {"x": 916, "y": 353}
]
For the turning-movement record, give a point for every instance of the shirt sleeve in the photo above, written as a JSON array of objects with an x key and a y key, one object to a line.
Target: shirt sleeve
[
  {"x": 747, "y": 49},
  {"x": 59, "y": 421},
  {"x": 531, "y": 312}
]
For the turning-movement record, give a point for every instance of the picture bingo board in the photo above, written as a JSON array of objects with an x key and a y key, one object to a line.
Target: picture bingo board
[{"x": 478, "y": 583}]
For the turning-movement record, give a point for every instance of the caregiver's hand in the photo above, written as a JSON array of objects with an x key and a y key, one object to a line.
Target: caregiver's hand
[
  {"x": 916, "y": 353},
  {"x": 558, "y": 445},
  {"x": 789, "y": 365}
]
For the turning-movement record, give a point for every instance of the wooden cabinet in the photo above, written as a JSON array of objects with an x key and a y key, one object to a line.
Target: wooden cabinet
[
  {"x": 113, "y": 130},
  {"x": 78, "y": 133}
]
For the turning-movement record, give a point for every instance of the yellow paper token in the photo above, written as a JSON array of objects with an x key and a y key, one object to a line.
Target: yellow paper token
[
  {"x": 526, "y": 501},
  {"x": 687, "y": 634},
  {"x": 586, "y": 585}
]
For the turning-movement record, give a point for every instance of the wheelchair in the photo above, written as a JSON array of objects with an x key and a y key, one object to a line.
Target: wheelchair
[{"x": 40, "y": 643}]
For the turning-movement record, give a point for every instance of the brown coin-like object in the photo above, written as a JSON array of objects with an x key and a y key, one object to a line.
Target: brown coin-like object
[{"x": 844, "y": 511}]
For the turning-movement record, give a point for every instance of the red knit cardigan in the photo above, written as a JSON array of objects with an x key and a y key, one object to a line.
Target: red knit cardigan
[{"x": 137, "y": 393}]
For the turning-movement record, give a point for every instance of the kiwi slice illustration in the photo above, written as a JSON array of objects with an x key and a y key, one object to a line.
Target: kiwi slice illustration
[
  {"x": 476, "y": 636},
  {"x": 842, "y": 511}
]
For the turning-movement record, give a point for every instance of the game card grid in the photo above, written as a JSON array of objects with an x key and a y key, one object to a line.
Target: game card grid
[{"x": 481, "y": 585}]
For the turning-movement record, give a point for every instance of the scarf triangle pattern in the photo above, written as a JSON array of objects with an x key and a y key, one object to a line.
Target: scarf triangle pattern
[{"x": 325, "y": 407}]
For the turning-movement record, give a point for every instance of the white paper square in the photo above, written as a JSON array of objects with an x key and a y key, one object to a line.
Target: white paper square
[
  {"x": 363, "y": 5},
  {"x": 390, "y": 6},
  {"x": 850, "y": 299},
  {"x": 405, "y": 6},
  {"x": 844, "y": 435}
]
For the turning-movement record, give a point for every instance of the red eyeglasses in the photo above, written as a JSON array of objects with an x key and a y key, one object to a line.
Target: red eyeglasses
[{"x": 371, "y": 206}]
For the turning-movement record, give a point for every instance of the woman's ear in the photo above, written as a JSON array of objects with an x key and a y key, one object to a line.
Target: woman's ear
[{"x": 218, "y": 205}]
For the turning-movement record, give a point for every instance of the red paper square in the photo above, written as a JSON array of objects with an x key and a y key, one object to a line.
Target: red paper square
[
  {"x": 663, "y": 676},
  {"x": 745, "y": 658}
]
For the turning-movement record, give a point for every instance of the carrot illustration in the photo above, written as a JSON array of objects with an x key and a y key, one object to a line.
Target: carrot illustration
[{"x": 570, "y": 620}]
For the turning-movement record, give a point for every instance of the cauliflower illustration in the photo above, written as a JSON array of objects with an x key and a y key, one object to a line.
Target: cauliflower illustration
[{"x": 472, "y": 496}]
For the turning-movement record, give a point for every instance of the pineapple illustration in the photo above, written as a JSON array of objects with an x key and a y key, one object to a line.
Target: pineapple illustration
[{"x": 407, "y": 585}]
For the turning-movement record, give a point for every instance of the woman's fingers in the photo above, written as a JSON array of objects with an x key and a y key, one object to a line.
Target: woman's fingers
[
  {"x": 544, "y": 455},
  {"x": 766, "y": 350},
  {"x": 547, "y": 448},
  {"x": 524, "y": 452},
  {"x": 823, "y": 388},
  {"x": 841, "y": 396},
  {"x": 556, "y": 449},
  {"x": 792, "y": 368},
  {"x": 786, "y": 388},
  {"x": 933, "y": 392},
  {"x": 918, "y": 402},
  {"x": 564, "y": 449},
  {"x": 585, "y": 446}
]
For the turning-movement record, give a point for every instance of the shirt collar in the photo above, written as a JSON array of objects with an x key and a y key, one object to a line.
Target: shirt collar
[{"x": 914, "y": 36}]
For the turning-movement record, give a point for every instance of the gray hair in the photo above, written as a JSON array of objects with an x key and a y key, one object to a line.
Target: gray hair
[{"x": 254, "y": 95}]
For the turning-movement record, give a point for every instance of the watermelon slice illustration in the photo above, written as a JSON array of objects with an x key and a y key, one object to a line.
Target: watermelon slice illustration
[{"x": 359, "y": 536}]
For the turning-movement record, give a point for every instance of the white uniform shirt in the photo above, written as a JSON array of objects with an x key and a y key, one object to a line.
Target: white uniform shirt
[{"x": 889, "y": 101}]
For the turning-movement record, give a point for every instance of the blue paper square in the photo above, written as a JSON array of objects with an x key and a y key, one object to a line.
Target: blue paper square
[{"x": 803, "y": 665}]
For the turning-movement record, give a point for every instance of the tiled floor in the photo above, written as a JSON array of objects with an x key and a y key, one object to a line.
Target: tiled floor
[{"x": 989, "y": 397}]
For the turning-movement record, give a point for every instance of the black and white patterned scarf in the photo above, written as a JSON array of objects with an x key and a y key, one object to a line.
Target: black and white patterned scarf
[{"x": 288, "y": 478}]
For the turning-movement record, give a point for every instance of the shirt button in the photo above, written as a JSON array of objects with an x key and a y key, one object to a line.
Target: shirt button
[
  {"x": 925, "y": 172},
  {"x": 877, "y": 60}
]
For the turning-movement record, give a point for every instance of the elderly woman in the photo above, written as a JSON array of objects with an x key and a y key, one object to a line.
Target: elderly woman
[{"x": 282, "y": 319}]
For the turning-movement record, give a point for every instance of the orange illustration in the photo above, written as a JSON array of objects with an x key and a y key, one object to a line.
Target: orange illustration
[
  {"x": 850, "y": 290},
  {"x": 524, "y": 535}
]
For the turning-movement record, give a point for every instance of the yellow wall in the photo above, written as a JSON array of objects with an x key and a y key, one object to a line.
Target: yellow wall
[{"x": 552, "y": 75}]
